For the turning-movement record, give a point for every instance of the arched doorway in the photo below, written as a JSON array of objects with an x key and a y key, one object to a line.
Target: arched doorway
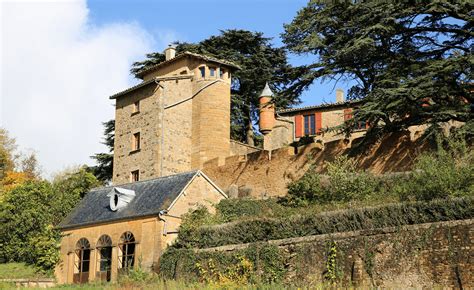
[
  {"x": 126, "y": 252},
  {"x": 82, "y": 261},
  {"x": 104, "y": 258}
]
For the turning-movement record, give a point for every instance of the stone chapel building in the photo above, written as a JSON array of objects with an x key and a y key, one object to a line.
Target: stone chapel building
[{"x": 166, "y": 127}]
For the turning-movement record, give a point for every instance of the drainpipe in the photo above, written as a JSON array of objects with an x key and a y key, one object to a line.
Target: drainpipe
[{"x": 160, "y": 216}]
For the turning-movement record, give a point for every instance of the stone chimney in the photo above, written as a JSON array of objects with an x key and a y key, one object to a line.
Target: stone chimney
[
  {"x": 340, "y": 96},
  {"x": 267, "y": 110},
  {"x": 170, "y": 52}
]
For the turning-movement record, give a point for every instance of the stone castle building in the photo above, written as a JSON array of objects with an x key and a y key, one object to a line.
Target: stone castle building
[
  {"x": 175, "y": 120},
  {"x": 166, "y": 128}
]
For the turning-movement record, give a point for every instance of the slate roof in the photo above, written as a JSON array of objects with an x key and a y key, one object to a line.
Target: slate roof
[
  {"x": 322, "y": 106},
  {"x": 152, "y": 196}
]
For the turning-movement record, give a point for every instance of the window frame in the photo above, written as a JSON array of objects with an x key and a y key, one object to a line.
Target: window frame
[
  {"x": 212, "y": 71},
  {"x": 136, "y": 107},
  {"x": 136, "y": 140},
  {"x": 202, "y": 70},
  {"x": 309, "y": 124},
  {"x": 133, "y": 174}
]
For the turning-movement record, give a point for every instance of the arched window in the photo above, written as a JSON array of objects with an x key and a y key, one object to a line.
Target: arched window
[
  {"x": 82, "y": 261},
  {"x": 104, "y": 258},
  {"x": 127, "y": 251}
]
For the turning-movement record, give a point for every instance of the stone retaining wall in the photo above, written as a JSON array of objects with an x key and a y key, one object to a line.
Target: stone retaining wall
[{"x": 416, "y": 256}]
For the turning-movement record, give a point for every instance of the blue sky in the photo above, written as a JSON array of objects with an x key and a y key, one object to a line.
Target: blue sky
[
  {"x": 192, "y": 21},
  {"x": 79, "y": 52}
]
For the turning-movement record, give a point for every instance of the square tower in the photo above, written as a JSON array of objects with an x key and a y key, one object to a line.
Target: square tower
[{"x": 176, "y": 119}]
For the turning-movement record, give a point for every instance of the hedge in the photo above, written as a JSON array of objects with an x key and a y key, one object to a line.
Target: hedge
[
  {"x": 267, "y": 265},
  {"x": 264, "y": 229}
]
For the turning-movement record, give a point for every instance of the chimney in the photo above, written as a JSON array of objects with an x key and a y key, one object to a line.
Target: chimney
[
  {"x": 267, "y": 111},
  {"x": 340, "y": 96},
  {"x": 170, "y": 52}
]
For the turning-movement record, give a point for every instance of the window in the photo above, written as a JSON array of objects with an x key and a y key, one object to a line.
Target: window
[
  {"x": 104, "y": 258},
  {"x": 203, "y": 71},
  {"x": 136, "y": 107},
  {"x": 221, "y": 73},
  {"x": 309, "y": 125},
  {"x": 82, "y": 261},
  {"x": 212, "y": 71},
  {"x": 135, "y": 175},
  {"x": 136, "y": 141},
  {"x": 126, "y": 251}
]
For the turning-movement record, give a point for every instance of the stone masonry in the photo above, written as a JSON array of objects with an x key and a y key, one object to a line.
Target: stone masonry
[{"x": 183, "y": 118}]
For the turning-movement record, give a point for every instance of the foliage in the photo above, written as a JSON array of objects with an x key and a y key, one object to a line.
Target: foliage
[
  {"x": 29, "y": 211},
  {"x": 23, "y": 219},
  {"x": 258, "y": 264},
  {"x": 7, "y": 156},
  {"x": 448, "y": 172},
  {"x": 260, "y": 62},
  {"x": 29, "y": 165},
  {"x": 228, "y": 210},
  {"x": 264, "y": 229},
  {"x": 342, "y": 183},
  {"x": 12, "y": 179},
  {"x": 411, "y": 63},
  {"x": 332, "y": 272},
  {"x": 104, "y": 167},
  {"x": 19, "y": 270}
]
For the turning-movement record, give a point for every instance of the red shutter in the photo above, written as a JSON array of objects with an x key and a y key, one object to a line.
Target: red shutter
[
  {"x": 298, "y": 126},
  {"x": 319, "y": 124},
  {"x": 347, "y": 114}
]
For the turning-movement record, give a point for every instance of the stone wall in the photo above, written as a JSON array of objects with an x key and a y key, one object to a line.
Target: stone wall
[
  {"x": 415, "y": 256},
  {"x": 145, "y": 230},
  {"x": 238, "y": 148},
  {"x": 267, "y": 173}
]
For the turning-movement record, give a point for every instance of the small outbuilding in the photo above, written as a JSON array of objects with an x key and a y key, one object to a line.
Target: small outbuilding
[{"x": 116, "y": 228}]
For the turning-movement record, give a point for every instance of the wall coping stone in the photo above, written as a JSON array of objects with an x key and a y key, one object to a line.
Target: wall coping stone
[{"x": 337, "y": 236}]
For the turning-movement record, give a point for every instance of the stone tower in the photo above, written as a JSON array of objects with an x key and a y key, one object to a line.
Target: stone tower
[{"x": 175, "y": 120}]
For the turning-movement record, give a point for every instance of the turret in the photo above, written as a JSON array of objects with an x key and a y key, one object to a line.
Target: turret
[{"x": 267, "y": 110}]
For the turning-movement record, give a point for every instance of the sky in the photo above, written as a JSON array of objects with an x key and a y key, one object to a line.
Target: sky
[{"x": 60, "y": 60}]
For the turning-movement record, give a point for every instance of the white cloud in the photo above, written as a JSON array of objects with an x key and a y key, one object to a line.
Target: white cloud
[{"x": 57, "y": 71}]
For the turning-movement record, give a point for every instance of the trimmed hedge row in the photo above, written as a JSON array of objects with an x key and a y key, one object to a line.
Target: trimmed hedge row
[{"x": 265, "y": 229}]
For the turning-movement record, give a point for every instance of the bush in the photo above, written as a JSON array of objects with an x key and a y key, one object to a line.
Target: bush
[
  {"x": 343, "y": 183},
  {"x": 255, "y": 264},
  {"x": 446, "y": 173},
  {"x": 264, "y": 229}
]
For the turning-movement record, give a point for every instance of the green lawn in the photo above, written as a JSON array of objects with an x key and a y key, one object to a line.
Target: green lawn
[{"x": 19, "y": 271}]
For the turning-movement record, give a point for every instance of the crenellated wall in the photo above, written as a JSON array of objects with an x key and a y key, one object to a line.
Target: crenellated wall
[{"x": 266, "y": 173}]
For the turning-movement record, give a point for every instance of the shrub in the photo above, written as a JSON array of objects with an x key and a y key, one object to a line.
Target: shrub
[
  {"x": 343, "y": 183},
  {"x": 264, "y": 229},
  {"x": 255, "y": 264},
  {"x": 445, "y": 173}
]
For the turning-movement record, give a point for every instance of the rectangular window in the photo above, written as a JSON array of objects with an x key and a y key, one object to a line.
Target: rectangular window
[
  {"x": 135, "y": 176},
  {"x": 136, "y": 141},
  {"x": 212, "y": 71},
  {"x": 203, "y": 71},
  {"x": 136, "y": 107},
  {"x": 309, "y": 125},
  {"x": 221, "y": 73}
]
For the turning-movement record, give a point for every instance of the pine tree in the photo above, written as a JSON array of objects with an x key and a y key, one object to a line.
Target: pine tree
[{"x": 412, "y": 62}]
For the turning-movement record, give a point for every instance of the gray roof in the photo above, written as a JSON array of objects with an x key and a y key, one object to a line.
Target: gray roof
[
  {"x": 267, "y": 92},
  {"x": 152, "y": 196},
  {"x": 322, "y": 106}
]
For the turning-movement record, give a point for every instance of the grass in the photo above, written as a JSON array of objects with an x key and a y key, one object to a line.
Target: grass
[{"x": 20, "y": 271}]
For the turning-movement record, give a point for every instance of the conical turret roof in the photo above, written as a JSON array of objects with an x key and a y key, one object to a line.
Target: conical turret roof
[{"x": 267, "y": 92}]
